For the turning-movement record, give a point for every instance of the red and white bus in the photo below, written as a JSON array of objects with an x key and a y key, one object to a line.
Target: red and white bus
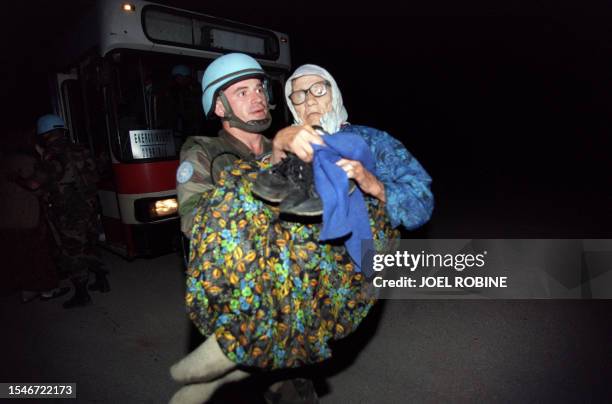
[{"x": 115, "y": 89}]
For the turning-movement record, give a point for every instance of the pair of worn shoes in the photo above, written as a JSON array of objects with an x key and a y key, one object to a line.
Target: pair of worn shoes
[
  {"x": 291, "y": 184},
  {"x": 81, "y": 297}
]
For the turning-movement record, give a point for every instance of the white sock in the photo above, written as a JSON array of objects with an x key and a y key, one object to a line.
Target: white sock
[
  {"x": 207, "y": 362},
  {"x": 202, "y": 392}
]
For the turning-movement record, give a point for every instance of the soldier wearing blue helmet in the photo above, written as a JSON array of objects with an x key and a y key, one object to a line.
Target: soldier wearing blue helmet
[
  {"x": 178, "y": 104},
  {"x": 65, "y": 178},
  {"x": 220, "y": 75},
  {"x": 234, "y": 90},
  {"x": 181, "y": 70}
]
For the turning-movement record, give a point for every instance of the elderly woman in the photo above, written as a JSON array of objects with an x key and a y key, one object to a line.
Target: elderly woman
[
  {"x": 267, "y": 293},
  {"x": 400, "y": 181}
]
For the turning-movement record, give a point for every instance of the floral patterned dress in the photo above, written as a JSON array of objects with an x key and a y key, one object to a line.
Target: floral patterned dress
[{"x": 273, "y": 295}]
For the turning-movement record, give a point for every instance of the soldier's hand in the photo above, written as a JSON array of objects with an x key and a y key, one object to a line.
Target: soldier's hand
[{"x": 29, "y": 184}]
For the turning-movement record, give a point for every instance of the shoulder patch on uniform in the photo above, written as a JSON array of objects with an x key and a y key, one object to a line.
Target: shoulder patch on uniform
[{"x": 184, "y": 172}]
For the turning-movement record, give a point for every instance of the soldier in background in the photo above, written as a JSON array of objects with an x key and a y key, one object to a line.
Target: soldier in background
[
  {"x": 24, "y": 233},
  {"x": 66, "y": 179},
  {"x": 179, "y": 104}
]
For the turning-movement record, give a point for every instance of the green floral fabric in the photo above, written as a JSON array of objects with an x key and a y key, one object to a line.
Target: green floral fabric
[{"x": 273, "y": 295}]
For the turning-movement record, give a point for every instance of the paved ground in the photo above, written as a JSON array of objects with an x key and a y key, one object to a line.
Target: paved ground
[{"x": 119, "y": 349}]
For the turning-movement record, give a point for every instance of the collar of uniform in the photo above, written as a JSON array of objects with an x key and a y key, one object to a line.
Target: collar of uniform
[{"x": 242, "y": 149}]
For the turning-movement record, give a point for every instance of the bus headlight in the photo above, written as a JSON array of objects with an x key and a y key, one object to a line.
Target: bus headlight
[
  {"x": 152, "y": 209},
  {"x": 165, "y": 207}
]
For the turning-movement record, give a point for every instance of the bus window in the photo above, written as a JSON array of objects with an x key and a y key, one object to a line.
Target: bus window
[
  {"x": 95, "y": 118},
  {"x": 177, "y": 102},
  {"x": 155, "y": 111},
  {"x": 167, "y": 27},
  {"x": 278, "y": 110},
  {"x": 129, "y": 97},
  {"x": 75, "y": 115},
  {"x": 178, "y": 28}
]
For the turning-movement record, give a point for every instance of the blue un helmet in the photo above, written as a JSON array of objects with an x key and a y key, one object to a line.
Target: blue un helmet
[
  {"x": 222, "y": 73},
  {"x": 49, "y": 122},
  {"x": 181, "y": 70}
]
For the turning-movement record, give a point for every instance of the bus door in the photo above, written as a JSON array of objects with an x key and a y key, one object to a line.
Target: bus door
[{"x": 80, "y": 100}]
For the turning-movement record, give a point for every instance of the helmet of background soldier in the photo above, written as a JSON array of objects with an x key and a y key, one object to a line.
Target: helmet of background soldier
[
  {"x": 181, "y": 70},
  {"x": 49, "y": 122}
]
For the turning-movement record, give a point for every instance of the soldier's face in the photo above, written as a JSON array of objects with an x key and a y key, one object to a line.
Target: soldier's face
[
  {"x": 247, "y": 99},
  {"x": 53, "y": 137},
  {"x": 182, "y": 81}
]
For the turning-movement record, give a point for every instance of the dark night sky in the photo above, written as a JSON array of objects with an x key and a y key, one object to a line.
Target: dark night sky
[{"x": 507, "y": 106}]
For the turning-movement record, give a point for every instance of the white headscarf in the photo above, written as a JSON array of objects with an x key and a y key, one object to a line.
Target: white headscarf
[{"x": 331, "y": 121}]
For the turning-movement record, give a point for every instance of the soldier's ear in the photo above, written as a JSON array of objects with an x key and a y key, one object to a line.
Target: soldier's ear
[{"x": 219, "y": 108}]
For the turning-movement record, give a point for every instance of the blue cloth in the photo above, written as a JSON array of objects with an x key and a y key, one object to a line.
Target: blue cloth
[
  {"x": 410, "y": 201},
  {"x": 343, "y": 215}
]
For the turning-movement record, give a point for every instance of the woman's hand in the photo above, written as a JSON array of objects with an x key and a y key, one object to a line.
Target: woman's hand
[
  {"x": 366, "y": 181},
  {"x": 297, "y": 140}
]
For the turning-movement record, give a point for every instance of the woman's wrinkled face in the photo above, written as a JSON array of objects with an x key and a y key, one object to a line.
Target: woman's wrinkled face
[{"x": 313, "y": 108}]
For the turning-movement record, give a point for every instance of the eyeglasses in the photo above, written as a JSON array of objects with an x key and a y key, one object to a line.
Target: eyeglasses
[{"x": 318, "y": 89}]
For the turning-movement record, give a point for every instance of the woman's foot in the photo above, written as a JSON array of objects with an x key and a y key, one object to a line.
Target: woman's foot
[{"x": 207, "y": 362}]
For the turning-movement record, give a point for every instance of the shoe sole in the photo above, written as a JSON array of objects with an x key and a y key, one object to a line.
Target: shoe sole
[
  {"x": 305, "y": 214},
  {"x": 266, "y": 195},
  {"x": 276, "y": 197},
  {"x": 293, "y": 211}
]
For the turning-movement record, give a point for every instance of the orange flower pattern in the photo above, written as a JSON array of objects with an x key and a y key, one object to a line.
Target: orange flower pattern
[{"x": 273, "y": 295}]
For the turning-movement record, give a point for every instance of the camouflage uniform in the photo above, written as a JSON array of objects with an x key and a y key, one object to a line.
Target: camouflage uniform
[
  {"x": 193, "y": 175},
  {"x": 68, "y": 177}
]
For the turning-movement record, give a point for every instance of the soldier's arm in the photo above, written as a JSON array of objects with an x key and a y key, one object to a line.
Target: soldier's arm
[
  {"x": 192, "y": 180},
  {"x": 40, "y": 177},
  {"x": 29, "y": 183},
  {"x": 87, "y": 167},
  {"x": 18, "y": 170}
]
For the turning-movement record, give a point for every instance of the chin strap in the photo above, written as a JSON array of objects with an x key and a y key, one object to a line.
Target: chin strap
[{"x": 254, "y": 126}]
